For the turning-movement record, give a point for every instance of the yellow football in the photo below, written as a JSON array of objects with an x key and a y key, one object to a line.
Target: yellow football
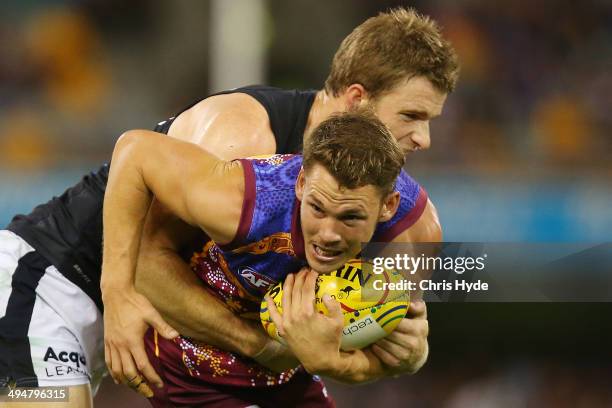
[{"x": 371, "y": 310}]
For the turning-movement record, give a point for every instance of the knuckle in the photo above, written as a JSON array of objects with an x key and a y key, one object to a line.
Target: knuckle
[
  {"x": 384, "y": 343},
  {"x": 404, "y": 356},
  {"x": 133, "y": 344},
  {"x": 388, "y": 339},
  {"x": 141, "y": 365},
  {"x": 412, "y": 344},
  {"x": 392, "y": 361}
]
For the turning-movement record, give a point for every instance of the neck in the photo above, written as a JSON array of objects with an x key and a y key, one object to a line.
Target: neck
[{"x": 322, "y": 108}]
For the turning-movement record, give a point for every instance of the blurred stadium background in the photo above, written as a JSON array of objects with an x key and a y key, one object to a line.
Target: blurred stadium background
[{"x": 522, "y": 151}]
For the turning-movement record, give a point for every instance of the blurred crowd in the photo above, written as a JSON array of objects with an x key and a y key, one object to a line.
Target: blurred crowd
[
  {"x": 465, "y": 385},
  {"x": 461, "y": 385},
  {"x": 536, "y": 83},
  {"x": 533, "y": 95}
]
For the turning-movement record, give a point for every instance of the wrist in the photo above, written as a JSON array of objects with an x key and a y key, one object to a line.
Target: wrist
[
  {"x": 112, "y": 289},
  {"x": 335, "y": 365},
  {"x": 117, "y": 275},
  {"x": 355, "y": 367},
  {"x": 270, "y": 349},
  {"x": 276, "y": 356},
  {"x": 254, "y": 342}
]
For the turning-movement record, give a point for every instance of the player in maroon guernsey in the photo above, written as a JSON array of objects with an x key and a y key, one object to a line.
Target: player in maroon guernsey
[{"x": 273, "y": 217}]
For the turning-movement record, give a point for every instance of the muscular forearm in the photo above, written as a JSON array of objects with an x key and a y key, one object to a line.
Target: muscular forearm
[
  {"x": 184, "y": 302},
  {"x": 179, "y": 295},
  {"x": 126, "y": 202}
]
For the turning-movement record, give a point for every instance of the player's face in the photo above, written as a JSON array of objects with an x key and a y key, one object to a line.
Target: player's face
[
  {"x": 335, "y": 221},
  {"x": 407, "y": 110}
]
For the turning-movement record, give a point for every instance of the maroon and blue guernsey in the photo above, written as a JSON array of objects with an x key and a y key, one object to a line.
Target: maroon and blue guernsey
[{"x": 268, "y": 246}]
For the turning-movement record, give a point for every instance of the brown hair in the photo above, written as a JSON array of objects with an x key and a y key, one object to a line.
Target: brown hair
[
  {"x": 357, "y": 149},
  {"x": 390, "y": 47}
]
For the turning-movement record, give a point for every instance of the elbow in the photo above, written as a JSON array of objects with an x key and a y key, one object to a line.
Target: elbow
[
  {"x": 126, "y": 142},
  {"x": 129, "y": 151},
  {"x": 133, "y": 141},
  {"x": 127, "y": 164}
]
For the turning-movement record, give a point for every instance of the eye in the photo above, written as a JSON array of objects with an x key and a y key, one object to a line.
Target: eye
[
  {"x": 410, "y": 116},
  {"x": 352, "y": 219},
  {"x": 316, "y": 208}
]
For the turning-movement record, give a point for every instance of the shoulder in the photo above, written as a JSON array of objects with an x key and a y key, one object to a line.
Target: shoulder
[
  {"x": 231, "y": 125},
  {"x": 235, "y": 107},
  {"x": 427, "y": 227},
  {"x": 232, "y": 103}
]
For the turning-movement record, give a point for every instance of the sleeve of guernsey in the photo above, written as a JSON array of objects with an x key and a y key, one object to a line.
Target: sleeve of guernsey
[
  {"x": 248, "y": 206},
  {"x": 412, "y": 204}
]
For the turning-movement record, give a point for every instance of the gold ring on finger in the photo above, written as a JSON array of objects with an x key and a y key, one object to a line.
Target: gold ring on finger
[{"x": 137, "y": 384}]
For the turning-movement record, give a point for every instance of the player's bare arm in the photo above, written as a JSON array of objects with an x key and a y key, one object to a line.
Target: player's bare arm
[
  {"x": 147, "y": 163},
  {"x": 186, "y": 304},
  {"x": 228, "y": 126},
  {"x": 163, "y": 237},
  {"x": 406, "y": 349}
]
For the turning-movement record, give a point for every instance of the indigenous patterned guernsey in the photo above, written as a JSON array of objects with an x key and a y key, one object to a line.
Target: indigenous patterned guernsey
[{"x": 268, "y": 246}]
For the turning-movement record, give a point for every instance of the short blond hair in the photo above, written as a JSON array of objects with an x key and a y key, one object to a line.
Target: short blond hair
[{"x": 391, "y": 47}]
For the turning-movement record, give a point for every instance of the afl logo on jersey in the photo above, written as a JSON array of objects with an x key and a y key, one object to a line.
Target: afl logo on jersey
[{"x": 255, "y": 279}]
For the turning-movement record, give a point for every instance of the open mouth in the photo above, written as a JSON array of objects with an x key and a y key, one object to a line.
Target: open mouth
[{"x": 325, "y": 254}]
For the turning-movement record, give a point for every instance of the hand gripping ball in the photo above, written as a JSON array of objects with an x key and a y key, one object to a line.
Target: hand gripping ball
[{"x": 372, "y": 309}]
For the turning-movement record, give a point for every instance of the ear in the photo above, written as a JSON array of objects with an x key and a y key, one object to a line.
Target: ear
[
  {"x": 389, "y": 207},
  {"x": 354, "y": 96},
  {"x": 299, "y": 185}
]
